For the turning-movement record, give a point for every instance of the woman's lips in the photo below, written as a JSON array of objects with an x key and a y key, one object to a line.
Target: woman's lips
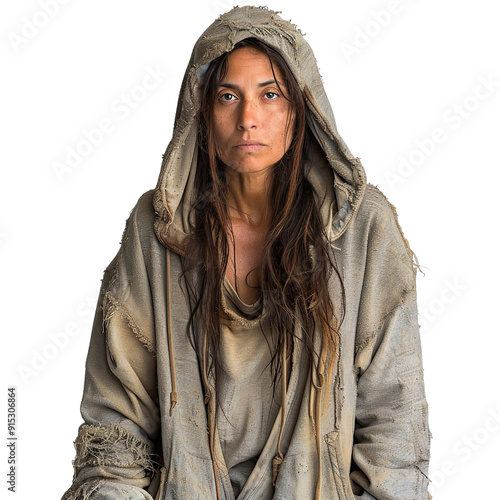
[{"x": 250, "y": 146}]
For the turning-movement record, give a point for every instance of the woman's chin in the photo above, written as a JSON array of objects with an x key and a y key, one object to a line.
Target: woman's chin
[{"x": 248, "y": 166}]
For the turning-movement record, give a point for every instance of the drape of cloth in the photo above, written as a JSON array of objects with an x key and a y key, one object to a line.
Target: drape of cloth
[{"x": 373, "y": 427}]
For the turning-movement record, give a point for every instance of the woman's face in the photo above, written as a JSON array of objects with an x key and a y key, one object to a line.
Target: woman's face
[{"x": 250, "y": 113}]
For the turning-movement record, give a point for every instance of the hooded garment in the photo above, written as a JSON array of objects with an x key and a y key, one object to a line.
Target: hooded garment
[{"x": 149, "y": 410}]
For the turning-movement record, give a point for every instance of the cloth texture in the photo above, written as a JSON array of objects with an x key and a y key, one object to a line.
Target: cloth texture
[
  {"x": 247, "y": 406},
  {"x": 373, "y": 428}
]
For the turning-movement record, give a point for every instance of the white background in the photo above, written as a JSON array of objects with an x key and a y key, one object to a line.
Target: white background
[{"x": 392, "y": 80}]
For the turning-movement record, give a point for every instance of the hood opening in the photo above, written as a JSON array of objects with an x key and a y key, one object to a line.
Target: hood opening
[{"x": 333, "y": 169}]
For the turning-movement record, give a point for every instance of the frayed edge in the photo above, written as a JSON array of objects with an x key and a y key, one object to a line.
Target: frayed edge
[
  {"x": 84, "y": 491},
  {"x": 110, "y": 306},
  {"x": 111, "y": 272},
  {"x": 274, "y": 32},
  {"x": 411, "y": 253},
  {"x": 107, "y": 445},
  {"x": 273, "y": 26}
]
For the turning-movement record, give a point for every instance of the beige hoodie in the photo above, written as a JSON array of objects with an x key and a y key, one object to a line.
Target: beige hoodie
[{"x": 148, "y": 407}]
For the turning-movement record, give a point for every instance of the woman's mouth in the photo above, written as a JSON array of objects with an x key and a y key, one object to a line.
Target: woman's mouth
[{"x": 250, "y": 146}]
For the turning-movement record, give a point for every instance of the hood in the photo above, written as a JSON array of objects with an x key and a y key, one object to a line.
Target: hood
[{"x": 337, "y": 176}]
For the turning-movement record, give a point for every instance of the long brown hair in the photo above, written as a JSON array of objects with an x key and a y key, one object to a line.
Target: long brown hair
[{"x": 296, "y": 264}]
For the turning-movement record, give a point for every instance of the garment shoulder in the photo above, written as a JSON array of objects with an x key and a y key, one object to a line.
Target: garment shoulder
[
  {"x": 136, "y": 244},
  {"x": 375, "y": 207},
  {"x": 139, "y": 228},
  {"x": 143, "y": 214},
  {"x": 378, "y": 220}
]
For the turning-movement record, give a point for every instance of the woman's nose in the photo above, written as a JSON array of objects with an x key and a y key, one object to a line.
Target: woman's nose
[{"x": 248, "y": 118}]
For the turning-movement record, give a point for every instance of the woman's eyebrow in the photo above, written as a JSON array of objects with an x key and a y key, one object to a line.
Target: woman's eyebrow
[{"x": 230, "y": 85}]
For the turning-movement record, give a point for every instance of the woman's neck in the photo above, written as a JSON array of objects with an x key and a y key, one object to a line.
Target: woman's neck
[{"x": 249, "y": 197}]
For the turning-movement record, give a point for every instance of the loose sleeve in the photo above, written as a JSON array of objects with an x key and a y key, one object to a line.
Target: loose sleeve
[
  {"x": 115, "y": 446},
  {"x": 391, "y": 439}
]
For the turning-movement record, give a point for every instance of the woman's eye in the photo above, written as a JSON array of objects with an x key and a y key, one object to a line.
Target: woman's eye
[
  {"x": 227, "y": 97},
  {"x": 271, "y": 95}
]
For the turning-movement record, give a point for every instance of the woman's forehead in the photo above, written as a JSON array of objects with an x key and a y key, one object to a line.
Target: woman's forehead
[{"x": 250, "y": 63}]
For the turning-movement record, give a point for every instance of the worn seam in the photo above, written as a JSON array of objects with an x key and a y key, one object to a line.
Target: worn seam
[
  {"x": 370, "y": 337},
  {"x": 111, "y": 305}
]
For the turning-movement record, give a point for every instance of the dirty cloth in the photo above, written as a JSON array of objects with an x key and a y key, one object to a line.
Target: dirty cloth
[
  {"x": 371, "y": 438},
  {"x": 246, "y": 405}
]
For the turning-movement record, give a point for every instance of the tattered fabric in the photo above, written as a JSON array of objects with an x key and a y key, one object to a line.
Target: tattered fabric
[{"x": 148, "y": 406}]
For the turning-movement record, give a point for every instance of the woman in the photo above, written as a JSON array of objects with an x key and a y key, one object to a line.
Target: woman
[{"x": 257, "y": 334}]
